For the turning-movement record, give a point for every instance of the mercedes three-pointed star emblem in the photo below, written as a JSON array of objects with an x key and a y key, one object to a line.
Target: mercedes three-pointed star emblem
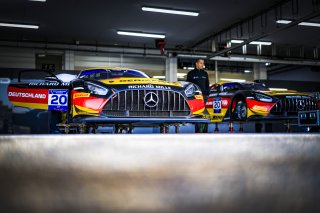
[
  {"x": 300, "y": 105},
  {"x": 151, "y": 99}
]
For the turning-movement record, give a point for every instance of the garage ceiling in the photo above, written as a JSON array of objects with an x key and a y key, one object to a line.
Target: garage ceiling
[{"x": 97, "y": 21}]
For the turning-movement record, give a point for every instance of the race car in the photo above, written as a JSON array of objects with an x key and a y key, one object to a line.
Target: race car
[
  {"x": 242, "y": 101},
  {"x": 112, "y": 96}
]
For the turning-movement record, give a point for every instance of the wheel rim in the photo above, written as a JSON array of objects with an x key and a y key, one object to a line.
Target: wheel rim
[{"x": 242, "y": 110}]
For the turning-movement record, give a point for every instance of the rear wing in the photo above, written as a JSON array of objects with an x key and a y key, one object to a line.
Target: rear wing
[{"x": 49, "y": 77}]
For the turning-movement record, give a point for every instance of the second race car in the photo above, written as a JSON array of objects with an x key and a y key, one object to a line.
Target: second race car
[{"x": 241, "y": 101}]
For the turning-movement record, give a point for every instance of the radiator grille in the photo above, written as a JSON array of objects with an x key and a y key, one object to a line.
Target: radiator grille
[
  {"x": 131, "y": 103},
  {"x": 294, "y": 104}
]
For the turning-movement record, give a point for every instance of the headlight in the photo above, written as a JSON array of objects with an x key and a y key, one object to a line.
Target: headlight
[
  {"x": 96, "y": 89},
  {"x": 192, "y": 90},
  {"x": 263, "y": 98}
]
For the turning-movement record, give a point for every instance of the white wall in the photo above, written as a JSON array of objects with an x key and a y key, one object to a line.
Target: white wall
[
  {"x": 25, "y": 58},
  {"x": 84, "y": 60},
  {"x": 15, "y": 58}
]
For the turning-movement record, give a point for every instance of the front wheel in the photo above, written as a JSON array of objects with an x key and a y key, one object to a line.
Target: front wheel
[{"x": 241, "y": 110}]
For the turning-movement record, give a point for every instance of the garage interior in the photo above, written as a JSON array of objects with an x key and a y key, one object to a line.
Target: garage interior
[
  {"x": 72, "y": 36},
  {"x": 266, "y": 165}
]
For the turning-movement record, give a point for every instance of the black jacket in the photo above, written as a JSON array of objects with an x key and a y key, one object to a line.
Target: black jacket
[{"x": 200, "y": 78}]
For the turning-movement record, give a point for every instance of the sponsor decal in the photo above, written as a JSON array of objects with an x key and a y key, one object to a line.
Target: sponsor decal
[
  {"x": 224, "y": 102},
  {"x": 50, "y": 84},
  {"x": 198, "y": 97},
  {"x": 27, "y": 95},
  {"x": 217, "y": 118},
  {"x": 149, "y": 86},
  {"x": 260, "y": 108},
  {"x": 298, "y": 97},
  {"x": 58, "y": 100},
  {"x": 81, "y": 95},
  {"x": 138, "y": 80},
  {"x": 217, "y": 105}
]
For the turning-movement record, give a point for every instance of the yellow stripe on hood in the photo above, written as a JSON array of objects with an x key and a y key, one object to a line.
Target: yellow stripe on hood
[
  {"x": 152, "y": 81},
  {"x": 287, "y": 92}
]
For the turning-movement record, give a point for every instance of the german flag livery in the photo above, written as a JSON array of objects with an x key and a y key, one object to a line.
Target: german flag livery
[{"x": 117, "y": 93}]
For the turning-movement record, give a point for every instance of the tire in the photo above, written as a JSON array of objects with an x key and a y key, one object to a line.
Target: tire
[{"x": 241, "y": 111}]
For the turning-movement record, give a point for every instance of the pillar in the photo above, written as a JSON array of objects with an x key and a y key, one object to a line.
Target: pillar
[
  {"x": 171, "y": 68},
  {"x": 259, "y": 71},
  {"x": 69, "y": 60}
]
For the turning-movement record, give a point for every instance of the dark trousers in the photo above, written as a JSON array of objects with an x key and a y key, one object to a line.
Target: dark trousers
[{"x": 202, "y": 127}]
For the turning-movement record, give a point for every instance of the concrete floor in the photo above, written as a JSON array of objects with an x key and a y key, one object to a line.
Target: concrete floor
[{"x": 160, "y": 173}]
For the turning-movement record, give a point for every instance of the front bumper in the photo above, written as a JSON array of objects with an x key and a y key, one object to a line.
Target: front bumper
[{"x": 108, "y": 120}]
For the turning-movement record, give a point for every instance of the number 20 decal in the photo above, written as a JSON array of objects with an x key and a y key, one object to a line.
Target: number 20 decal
[
  {"x": 217, "y": 105},
  {"x": 59, "y": 100}
]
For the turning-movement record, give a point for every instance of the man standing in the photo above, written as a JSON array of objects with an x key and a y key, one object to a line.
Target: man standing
[{"x": 200, "y": 77}]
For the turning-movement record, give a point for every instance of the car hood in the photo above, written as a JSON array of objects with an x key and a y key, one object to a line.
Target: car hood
[
  {"x": 283, "y": 93},
  {"x": 130, "y": 81}
]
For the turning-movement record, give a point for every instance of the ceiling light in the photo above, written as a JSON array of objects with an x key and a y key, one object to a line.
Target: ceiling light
[
  {"x": 268, "y": 64},
  {"x": 282, "y": 21},
  {"x": 39, "y": 0},
  {"x": 159, "y": 76},
  {"x": 188, "y": 68},
  {"x": 148, "y": 35},
  {"x": 27, "y": 26},
  {"x": 278, "y": 89},
  {"x": 235, "y": 41},
  {"x": 309, "y": 24},
  {"x": 181, "y": 75},
  {"x": 247, "y": 71},
  {"x": 233, "y": 80},
  {"x": 261, "y": 43},
  {"x": 191, "y": 56},
  {"x": 169, "y": 11}
]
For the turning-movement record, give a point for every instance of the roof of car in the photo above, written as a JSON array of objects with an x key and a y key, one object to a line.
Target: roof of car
[
  {"x": 232, "y": 82},
  {"x": 109, "y": 68}
]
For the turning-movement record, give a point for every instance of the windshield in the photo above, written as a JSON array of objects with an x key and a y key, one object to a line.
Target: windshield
[
  {"x": 108, "y": 74},
  {"x": 254, "y": 86}
]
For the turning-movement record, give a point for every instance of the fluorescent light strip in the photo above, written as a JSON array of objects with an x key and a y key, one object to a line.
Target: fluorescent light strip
[
  {"x": 282, "y": 21},
  {"x": 159, "y": 76},
  {"x": 233, "y": 80},
  {"x": 309, "y": 24},
  {"x": 27, "y": 26},
  {"x": 39, "y": 0},
  {"x": 181, "y": 75},
  {"x": 170, "y": 11},
  {"x": 188, "y": 68},
  {"x": 278, "y": 89},
  {"x": 267, "y": 43},
  {"x": 191, "y": 56},
  {"x": 247, "y": 71},
  {"x": 148, "y": 35},
  {"x": 234, "y": 41}
]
